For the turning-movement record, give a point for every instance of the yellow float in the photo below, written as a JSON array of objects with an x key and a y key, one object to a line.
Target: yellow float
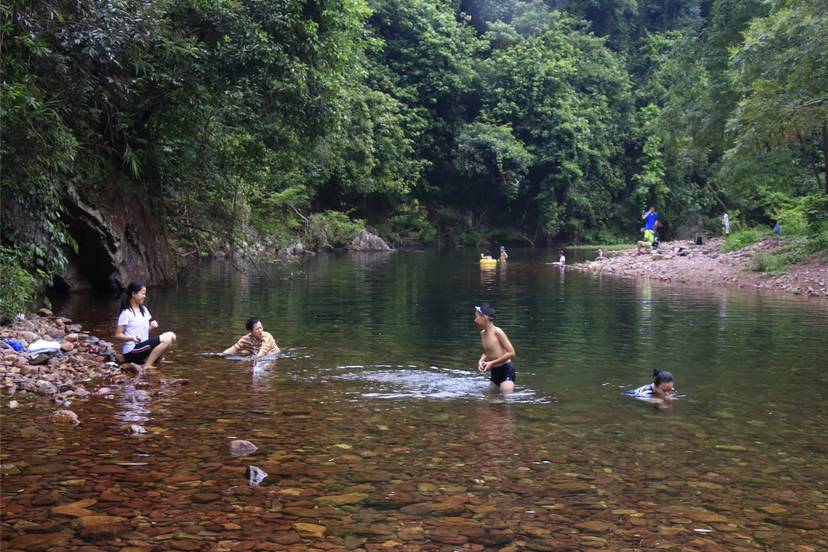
[{"x": 488, "y": 263}]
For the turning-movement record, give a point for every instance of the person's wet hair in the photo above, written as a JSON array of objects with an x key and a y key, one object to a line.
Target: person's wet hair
[
  {"x": 662, "y": 376},
  {"x": 251, "y": 322},
  {"x": 133, "y": 287}
]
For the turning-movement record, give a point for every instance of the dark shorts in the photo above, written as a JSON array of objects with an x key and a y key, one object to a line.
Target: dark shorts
[
  {"x": 142, "y": 350},
  {"x": 499, "y": 374}
]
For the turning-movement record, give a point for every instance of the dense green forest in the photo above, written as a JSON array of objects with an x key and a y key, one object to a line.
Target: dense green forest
[{"x": 522, "y": 121}]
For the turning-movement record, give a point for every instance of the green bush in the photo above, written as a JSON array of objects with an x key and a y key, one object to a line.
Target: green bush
[
  {"x": 16, "y": 284},
  {"x": 409, "y": 225},
  {"x": 331, "y": 229},
  {"x": 743, "y": 238}
]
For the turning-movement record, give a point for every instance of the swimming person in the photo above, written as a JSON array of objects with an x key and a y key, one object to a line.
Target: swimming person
[
  {"x": 134, "y": 323},
  {"x": 498, "y": 351},
  {"x": 661, "y": 388},
  {"x": 503, "y": 255},
  {"x": 256, "y": 343}
]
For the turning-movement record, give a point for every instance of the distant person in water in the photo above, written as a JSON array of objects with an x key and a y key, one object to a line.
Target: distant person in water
[
  {"x": 498, "y": 351},
  {"x": 134, "y": 324},
  {"x": 256, "y": 343},
  {"x": 503, "y": 255},
  {"x": 600, "y": 256},
  {"x": 661, "y": 388},
  {"x": 562, "y": 258},
  {"x": 486, "y": 256}
]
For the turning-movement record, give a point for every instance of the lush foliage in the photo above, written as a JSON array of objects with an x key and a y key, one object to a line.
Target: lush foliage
[
  {"x": 528, "y": 120},
  {"x": 16, "y": 283}
]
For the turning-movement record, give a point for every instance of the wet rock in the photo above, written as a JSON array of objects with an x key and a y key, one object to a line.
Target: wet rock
[
  {"x": 65, "y": 417},
  {"x": 342, "y": 500},
  {"x": 595, "y": 526},
  {"x": 204, "y": 497},
  {"x": 9, "y": 469},
  {"x": 39, "y": 360},
  {"x": 240, "y": 447},
  {"x": 13, "y": 404},
  {"x": 101, "y": 526},
  {"x": 40, "y": 541},
  {"x": 45, "y": 312},
  {"x": 135, "y": 429},
  {"x": 366, "y": 241},
  {"x": 75, "y": 509},
  {"x": 310, "y": 530}
]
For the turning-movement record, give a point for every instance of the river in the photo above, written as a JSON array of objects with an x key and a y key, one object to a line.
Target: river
[{"x": 377, "y": 431}]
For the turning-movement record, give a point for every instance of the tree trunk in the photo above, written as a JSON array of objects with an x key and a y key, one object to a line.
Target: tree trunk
[{"x": 825, "y": 155}]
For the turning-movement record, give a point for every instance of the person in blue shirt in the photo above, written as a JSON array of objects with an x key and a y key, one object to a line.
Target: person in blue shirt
[{"x": 650, "y": 218}]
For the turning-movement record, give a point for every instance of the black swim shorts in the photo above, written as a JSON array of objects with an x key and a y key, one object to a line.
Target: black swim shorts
[
  {"x": 499, "y": 374},
  {"x": 142, "y": 350}
]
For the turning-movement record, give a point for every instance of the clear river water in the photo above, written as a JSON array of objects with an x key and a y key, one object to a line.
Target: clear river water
[{"x": 378, "y": 433}]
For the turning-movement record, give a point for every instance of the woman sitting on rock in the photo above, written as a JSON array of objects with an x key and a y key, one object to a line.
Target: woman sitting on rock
[
  {"x": 256, "y": 343},
  {"x": 134, "y": 323}
]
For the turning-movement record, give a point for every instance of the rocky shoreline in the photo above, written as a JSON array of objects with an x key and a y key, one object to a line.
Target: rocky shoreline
[
  {"x": 81, "y": 365},
  {"x": 682, "y": 262}
]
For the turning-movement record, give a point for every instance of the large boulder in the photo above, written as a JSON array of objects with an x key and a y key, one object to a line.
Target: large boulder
[{"x": 366, "y": 241}]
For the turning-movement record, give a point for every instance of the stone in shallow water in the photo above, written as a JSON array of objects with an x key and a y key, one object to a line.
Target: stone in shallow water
[
  {"x": 310, "y": 530},
  {"x": 343, "y": 499},
  {"x": 240, "y": 447},
  {"x": 101, "y": 526},
  {"x": 40, "y": 541},
  {"x": 65, "y": 417},
  {"x": 75, "y": 509},
  {"x": 595, "y": 526}
]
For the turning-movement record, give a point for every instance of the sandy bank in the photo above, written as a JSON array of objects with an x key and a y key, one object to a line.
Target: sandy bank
[{"x": 706, "y": 265}]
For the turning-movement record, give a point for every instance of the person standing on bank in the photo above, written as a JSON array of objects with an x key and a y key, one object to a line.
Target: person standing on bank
[
  {"x": 134, "y": 324},
  {"x": 256, "y": 343}
]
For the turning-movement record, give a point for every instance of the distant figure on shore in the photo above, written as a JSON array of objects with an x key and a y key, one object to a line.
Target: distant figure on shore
[
  {"x": 498, "y": 351},
  {"x": 650, "y": 218},
  {"x": 726, "y": 225},
  {"x": 600, "y": 256},
  {"x": 660, "y": 389},
  {"x": 777, "y": 229},
  {"x": 503, "y": 255},
  {"x": 132, "y": 329},
  {"x": 256, "y": 343}
]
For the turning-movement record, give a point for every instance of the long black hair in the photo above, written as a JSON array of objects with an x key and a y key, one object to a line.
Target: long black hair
[
  {"x": 133, "y": 287},
  {"x": 251, "y": 322},
  {"x": 661, "y": 376}
]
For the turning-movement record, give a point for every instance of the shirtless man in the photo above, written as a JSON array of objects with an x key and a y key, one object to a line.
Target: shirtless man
[{"x": 498, "y": 351}]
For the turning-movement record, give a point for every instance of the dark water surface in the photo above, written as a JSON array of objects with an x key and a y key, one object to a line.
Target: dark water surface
[{"x": 380, "y": 433}]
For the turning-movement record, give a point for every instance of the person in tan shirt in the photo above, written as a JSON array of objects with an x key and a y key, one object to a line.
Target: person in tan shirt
[
  {"x": 256, "y": 343},
  {"x": 498, "y": 351}
]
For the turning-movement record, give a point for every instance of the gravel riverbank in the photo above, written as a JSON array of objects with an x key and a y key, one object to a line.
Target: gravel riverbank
[{"x": 706, "y": 265}]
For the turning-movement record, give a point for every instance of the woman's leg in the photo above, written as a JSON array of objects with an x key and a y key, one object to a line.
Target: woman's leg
[{"x": 167, "y": 341}]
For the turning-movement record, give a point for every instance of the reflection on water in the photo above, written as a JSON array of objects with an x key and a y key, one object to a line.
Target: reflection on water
[{"x": 380, "y": 430}]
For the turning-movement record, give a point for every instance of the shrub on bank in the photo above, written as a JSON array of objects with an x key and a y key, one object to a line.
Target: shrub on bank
[
  {"x": 744, "y": 238},
  {"x": 16, "y": 284},
  {"x": 331, "y": 229}
]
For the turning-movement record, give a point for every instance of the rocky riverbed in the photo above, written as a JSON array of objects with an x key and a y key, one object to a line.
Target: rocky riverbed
[{"x": 681, "y": 262}]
